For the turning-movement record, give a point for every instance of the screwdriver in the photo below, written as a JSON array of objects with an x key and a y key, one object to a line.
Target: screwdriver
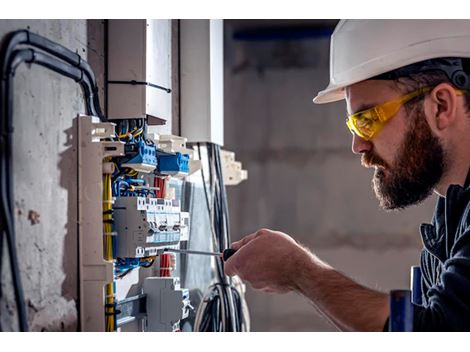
[{"x": 227, "y": 253}]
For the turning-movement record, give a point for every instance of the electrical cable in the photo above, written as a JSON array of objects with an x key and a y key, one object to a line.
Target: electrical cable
[
  {"x": 62, "y": 61},
  {"x": 222, "y": 308},
  {"x": 24, "y": 37}
]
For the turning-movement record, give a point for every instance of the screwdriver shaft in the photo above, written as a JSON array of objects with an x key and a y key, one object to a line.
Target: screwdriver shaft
[{"x": 187, "y": 251}]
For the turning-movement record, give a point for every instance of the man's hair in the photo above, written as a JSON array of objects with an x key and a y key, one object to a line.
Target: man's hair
[
  {"x": 413, "y": 82},
  {"x": 430, "y": 73}
]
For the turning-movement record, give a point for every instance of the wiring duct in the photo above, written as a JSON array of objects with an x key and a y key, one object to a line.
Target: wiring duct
[
  {"x": 223, "y": 307},
  {"x": 63, "y": 61}
]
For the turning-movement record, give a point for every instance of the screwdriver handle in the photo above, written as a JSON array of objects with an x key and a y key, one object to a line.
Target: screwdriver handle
[{"x": 227, "y": 253}]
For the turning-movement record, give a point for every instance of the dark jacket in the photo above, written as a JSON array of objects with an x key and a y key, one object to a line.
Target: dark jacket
[{"x": 445, "y": 265}]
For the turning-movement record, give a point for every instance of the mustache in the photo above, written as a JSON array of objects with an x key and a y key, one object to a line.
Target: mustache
[{"x": 370, "y": 159}]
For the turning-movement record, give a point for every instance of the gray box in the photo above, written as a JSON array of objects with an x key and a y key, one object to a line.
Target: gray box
[{"x": 139, "y": 50}]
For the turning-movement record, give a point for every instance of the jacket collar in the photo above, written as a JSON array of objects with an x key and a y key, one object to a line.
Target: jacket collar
[{"x": 438, "y": 237}]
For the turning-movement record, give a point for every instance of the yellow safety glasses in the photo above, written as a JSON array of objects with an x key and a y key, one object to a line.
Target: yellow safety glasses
[{"x": 368, "y": 122}]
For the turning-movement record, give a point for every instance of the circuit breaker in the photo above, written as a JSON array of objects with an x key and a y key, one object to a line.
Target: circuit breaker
[
  {"x": 167, "y": 303},
  {"x": 146, "y": 224}
]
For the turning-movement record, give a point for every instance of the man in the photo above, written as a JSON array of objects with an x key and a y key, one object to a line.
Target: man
[{"x": 407, "y": 89}]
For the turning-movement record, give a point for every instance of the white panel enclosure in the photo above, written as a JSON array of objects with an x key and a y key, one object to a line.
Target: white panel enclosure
[
  {"x": 139, "y": 59},
  {"x": 202, "y": 108}
]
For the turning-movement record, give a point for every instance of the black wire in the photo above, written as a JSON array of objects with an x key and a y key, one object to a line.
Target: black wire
[
  {"x": 7, "y": 199},
  {"x": 73, "y": 59},
  {"x": 71, "y": 66},
  {"x": 222, "y": 295}
]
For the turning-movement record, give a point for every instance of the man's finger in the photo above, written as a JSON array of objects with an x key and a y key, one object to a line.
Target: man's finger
[
  {"x": 238, "y": 244},
  {"x": 230, "y": 268}
]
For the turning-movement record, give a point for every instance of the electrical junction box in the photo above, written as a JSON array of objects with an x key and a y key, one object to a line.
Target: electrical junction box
[
  {"x": 167, "y": 303},
  {"x": 145, "y": 225},
  {"x": 139, "y": 70}
]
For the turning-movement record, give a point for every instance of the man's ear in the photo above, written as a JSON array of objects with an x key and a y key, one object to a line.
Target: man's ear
[{"x": 441, "y": 107}]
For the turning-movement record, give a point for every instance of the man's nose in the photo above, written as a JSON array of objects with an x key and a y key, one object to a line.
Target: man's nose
[{"x": 359, "y": 145}]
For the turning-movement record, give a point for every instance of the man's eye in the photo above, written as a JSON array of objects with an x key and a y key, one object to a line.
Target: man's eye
[{"x": 362, "y": 123}]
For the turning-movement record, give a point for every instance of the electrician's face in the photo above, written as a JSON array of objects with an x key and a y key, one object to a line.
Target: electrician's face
[{"x": 407, "y": 157}]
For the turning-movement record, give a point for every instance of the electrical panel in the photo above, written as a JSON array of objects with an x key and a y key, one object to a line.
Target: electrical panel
[
  {"x": 131, "y": 173},
  {"x": 141, "y": 218},
  {"x": 131, "y": 216}
]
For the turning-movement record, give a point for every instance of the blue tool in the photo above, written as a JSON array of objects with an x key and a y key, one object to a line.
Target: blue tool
[{"x": 401, "y": 311}]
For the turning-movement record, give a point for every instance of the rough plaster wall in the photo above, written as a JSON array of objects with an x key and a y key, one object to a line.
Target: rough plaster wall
[
  {"x": 303, "y": 178},
  {"x": 45, "y": 183}
]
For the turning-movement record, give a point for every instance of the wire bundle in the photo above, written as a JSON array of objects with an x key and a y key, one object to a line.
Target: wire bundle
[
  {"x": 108, "y": 221},
  {"x": 130, "y": 130},
  {"x": 124, "y": 266},
  {"x": 223, "y": 307},
  {"x": 110, "y": 307},
  {"x": 63, "y": 61}
]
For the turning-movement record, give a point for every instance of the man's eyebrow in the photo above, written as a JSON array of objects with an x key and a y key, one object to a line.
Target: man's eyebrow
[{"x": 363, "y": 107}]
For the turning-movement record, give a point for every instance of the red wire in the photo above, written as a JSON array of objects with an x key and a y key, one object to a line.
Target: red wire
[
  {"x": 160, "y": 184},
  {"x": 165, "y": 264}
]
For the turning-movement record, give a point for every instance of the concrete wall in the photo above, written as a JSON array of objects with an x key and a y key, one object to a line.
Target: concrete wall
[
  {"x": 302, "y": 176},
  {"x": 45, "y": 178}
]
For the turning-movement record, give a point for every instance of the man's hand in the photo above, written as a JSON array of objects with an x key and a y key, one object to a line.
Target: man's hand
[
  {"x": 272, "y": 261},
  {"x": 268, "y": 260}
]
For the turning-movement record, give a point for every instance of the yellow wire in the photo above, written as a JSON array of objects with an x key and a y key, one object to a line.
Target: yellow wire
[
  {"x": 138, "y": 133},
  {"x": 110, "y": 324},
  {"x": 109, "y": 308},
  {"x": 107, "y": 216}
]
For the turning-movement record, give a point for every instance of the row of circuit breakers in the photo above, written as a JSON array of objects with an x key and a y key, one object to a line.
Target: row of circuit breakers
[{"x": 141, "y": 218}]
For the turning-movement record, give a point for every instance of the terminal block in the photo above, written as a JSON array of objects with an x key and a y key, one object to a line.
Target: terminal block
[
  {"x": 167, "y": 303},
  {"x": 173, "y": 164},
  {"x": 145, "y": 158},
  {"x": 145, "y": 225},
  {"x": 172, "y": 144}
]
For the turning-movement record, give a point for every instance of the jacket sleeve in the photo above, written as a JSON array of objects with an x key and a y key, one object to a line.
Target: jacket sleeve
[{"x": 449, "y": 302}]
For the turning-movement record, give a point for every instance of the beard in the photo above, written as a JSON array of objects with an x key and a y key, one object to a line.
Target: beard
[{"x": 418, "y": 167}]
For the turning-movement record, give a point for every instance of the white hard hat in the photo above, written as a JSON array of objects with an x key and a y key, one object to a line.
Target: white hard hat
[{"x": 362, "y": 49}]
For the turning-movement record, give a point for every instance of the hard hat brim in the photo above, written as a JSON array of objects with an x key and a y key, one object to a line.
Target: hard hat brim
[{"x": 329, "y": 95}]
